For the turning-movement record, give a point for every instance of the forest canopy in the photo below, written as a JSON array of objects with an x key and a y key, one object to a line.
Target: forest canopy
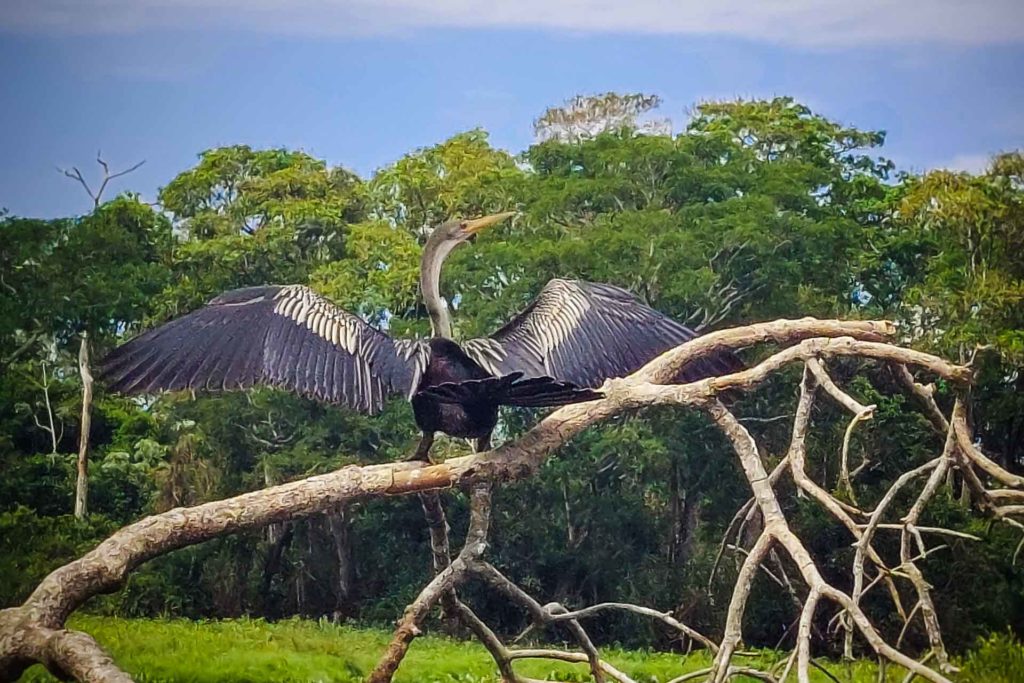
[{"x": 757, "y": 210}]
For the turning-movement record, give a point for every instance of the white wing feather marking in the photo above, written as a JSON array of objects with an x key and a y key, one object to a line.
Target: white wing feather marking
[
  {"x": 305, "y": 308},
  {"x": 562, "y": 312},
  {"x": 487, "y": 352},
  {"x": 409, "y": 348},
  {"x": 561, "y": 307},
  {"x": 302, "y": 313}
]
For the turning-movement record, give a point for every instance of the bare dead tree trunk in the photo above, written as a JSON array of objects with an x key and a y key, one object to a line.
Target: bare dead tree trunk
[
  {"x": 82, "y": 484},
  {"x": 33, "y": 632}
]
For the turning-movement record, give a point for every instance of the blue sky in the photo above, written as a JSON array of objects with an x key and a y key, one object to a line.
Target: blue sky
[{"x": 360, "y": 83}]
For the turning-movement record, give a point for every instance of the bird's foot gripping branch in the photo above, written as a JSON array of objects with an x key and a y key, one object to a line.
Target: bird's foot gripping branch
[{"x": 34, "y": 631}]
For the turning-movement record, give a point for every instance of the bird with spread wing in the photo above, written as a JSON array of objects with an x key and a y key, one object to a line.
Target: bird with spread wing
[{"x": 566, "y": 343}]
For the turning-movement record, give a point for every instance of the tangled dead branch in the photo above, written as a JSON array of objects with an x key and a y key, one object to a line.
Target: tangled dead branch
[{"x": 34, "y": 631}]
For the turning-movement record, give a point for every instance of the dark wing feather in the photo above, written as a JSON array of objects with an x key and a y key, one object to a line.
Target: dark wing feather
[
  {"x": 288, "y": 337},
  {"x": 586, "y": 332}
]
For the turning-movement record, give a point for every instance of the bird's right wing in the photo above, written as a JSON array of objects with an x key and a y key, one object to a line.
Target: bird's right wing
[
  {"x": 282, "y": 336},
  {"x": 587, "y": 332}
]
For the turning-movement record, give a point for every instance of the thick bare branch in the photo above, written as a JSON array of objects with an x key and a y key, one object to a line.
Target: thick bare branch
[
  {"x": 734, "y": 619},
  {"x": 777, "y": 529},
  {"x": 487, "y": 637},
  {"x": 668, "y": 364},
  {"x": 844, "y": 399},
  {"x": 924, "y": 598},
  {"x": 974, "y": 454},
  {"x": 837, "y": 508},
  {"x": 925, "y": 397},
  {"x": 543, "y": 615},
  {"x": 67, "y": 654},
  {"x": 444, "y": 582},
  {"x": 860, "y": 413}
]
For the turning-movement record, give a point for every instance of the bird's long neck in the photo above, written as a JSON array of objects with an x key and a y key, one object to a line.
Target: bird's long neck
[{"x": 434, "y": 255}]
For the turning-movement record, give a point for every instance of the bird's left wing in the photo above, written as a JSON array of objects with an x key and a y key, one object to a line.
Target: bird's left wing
[
  {"x": 586, "y": 332},
  {"x": 284, "y": 336}
]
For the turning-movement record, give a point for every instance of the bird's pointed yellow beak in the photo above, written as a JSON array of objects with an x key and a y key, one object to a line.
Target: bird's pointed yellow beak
[{"x": 477, "y": 224}]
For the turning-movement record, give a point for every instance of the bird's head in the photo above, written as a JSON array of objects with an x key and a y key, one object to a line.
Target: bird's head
[
  {"x": 457, "y": 231},
  {"x": 442, "y": 241}
]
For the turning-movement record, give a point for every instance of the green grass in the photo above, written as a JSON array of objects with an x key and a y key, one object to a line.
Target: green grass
[{"x": 297, "y": 650}]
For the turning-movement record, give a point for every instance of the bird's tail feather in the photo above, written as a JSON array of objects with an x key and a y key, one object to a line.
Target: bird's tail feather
[{"x": 512, "y": 390}]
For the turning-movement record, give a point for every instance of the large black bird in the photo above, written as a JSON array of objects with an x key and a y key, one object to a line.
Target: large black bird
[{"x": 575, "y": 334}]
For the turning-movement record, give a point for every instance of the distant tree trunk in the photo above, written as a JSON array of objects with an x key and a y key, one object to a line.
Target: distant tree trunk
[
  {"x": 82, "y": 487},
  {"x": 272, "y": 566},
  {"x": 274, "y": 531},
  {"x": 691, "y": 520},
  {"x": 1012, "y": 452},
  {"x": 684, "y": 505},
  {"x": 341, "y": 531},
  {"x": 49, "y": 412},
  {"x": 675, "y": 506}
]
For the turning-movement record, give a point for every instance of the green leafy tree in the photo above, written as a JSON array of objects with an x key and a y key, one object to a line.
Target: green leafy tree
[
  {"x": 463, "y": 176},
  {"x": 249, "y": 217},
  {"x": 946, "y": 262}
]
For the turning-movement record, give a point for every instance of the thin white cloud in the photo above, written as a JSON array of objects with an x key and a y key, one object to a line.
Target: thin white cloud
[{"x": 806, "y": 23}]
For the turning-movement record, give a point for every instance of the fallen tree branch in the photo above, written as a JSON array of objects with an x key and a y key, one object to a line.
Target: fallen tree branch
[
  {"x": 733, "y": 671},
  {"x": 860, "y": 412},
  {"x": 444, "y": 582},
  {"x": 777, "y": 530},
  {"x": 664, "y": 617},
  {"x": 105, "y": 568},
  {"x": 572, "y": 657},
  {"x": 543, "y": 615},
  {"x": 974, "y": 454},
  {"x": 501, "y": 654}
]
